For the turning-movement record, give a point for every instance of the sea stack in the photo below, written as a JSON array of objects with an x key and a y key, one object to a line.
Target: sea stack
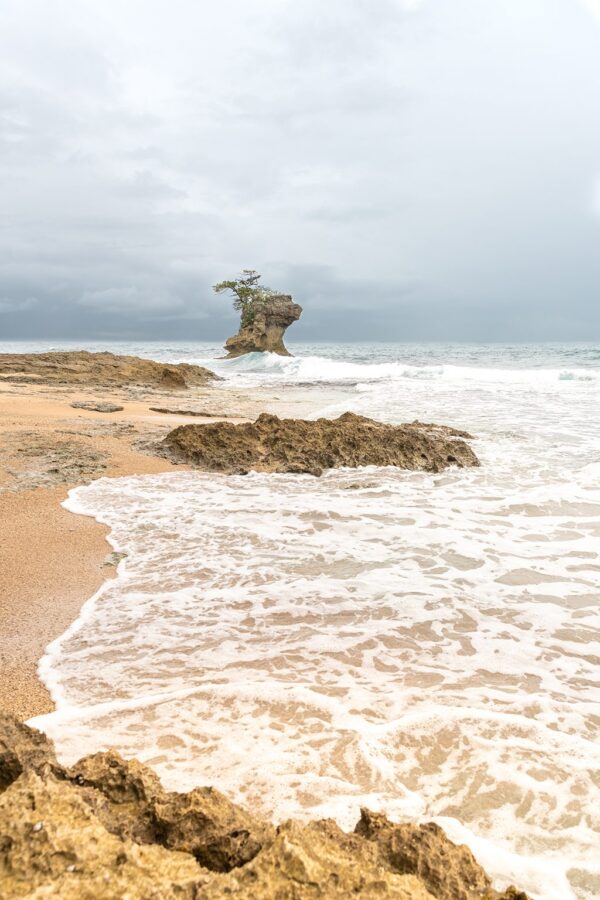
[{"x": 264, "y": 333}]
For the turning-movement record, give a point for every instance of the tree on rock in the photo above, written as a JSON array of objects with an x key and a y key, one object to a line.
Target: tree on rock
[
  {"x": 265, "y": 315},
  {"x": 247, "y": 292}
]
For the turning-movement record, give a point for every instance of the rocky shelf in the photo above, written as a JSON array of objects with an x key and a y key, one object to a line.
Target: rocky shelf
[
  {"x": 271, "y": 444},
  {"x": 84, "y": 368}
]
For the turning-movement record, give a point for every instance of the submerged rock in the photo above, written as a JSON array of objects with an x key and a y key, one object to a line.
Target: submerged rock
[
  {"x": 271, "y": 444},
  {"x": 106, "y": 829},
  {"x": 272, "y": 317}
]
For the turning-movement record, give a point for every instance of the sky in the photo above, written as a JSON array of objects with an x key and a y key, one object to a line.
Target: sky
[{"x": 407, "y": 169}]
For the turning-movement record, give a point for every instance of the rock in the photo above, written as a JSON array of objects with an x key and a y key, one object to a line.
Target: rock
[
  {"x": 172, "y": 378},
  {"x": 130, "y": 801},
  {"x": 23, "y": 749},
  {"x": 46, "y": 458},
  {"x": 273, "y": 316},
  {"x": 316, "y": 861},
  {"x": 271, "y": 444},
  {"x": 183, "y": 412},
  {"x": 448, "y": 870},
  {"x": 52, "y": 845},
  {"x": 112, "y": 559},
  {"x": 97, "y": 406},
  {"x": 106, "y": 829},
  {"x": 82, "y": 367}
]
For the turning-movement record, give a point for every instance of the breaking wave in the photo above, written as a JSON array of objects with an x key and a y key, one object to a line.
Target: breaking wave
[{"x": 269, "y": 368}]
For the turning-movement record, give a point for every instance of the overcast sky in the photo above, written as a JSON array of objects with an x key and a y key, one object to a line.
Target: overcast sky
[{"x": 408, "y": 169}]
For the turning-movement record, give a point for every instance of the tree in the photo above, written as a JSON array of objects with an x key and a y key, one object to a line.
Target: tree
[{"x": 248, "y": 294}]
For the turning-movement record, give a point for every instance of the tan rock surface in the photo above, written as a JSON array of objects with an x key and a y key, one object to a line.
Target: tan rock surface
[
  {"x": 52, "y": 845},
  {"x": 83, "y": 367},
  {"x": 450, "y": 871},
  {"x": 313, "y": 862},
  {"x": 130, "y": 801},
  {"x": 273, "y": 317},
  {"x": 24, "y": 749},
  {"x": 271, "y": 444},
  {"x": 107, "y": 829}
]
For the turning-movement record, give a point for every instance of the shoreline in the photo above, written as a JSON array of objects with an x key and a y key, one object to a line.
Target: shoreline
[
  {"x": 65, "y": 570},
  {"x": 48, "y": 447},
  {"x": 42, "y": 592},
  {"x": 54, "y": 560},
  {"x": 66, "y": 554}
]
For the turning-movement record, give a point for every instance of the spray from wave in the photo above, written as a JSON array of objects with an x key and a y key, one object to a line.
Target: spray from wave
[{"x": 258, "y": 369}]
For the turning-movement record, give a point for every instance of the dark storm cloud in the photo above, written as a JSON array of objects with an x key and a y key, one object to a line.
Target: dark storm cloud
[{"x": 407, "y": 170}]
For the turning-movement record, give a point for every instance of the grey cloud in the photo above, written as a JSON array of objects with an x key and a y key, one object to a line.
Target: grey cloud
[
  {"x": 408, "y": 170},
  {"x": 23, "y": 305},
  {"x": 119, "y": 299}
]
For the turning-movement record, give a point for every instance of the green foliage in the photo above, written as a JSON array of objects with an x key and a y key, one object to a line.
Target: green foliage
[{"x": 247, "y": 293}]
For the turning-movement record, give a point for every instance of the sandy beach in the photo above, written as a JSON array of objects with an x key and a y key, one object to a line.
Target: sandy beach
[
  {"x": 53, "y": 560},
  {"x": 383, "y": 635}
]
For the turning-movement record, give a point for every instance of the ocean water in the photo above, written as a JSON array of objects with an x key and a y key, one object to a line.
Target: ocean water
[{"x": 422, "y": 644}]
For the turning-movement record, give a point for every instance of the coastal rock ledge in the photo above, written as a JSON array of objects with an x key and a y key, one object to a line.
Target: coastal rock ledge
[
  {"x": 83, "y": 368},
  {"x": 264, "y": 334},
  {"x": 106, "y": 829},
  {"x": 298, "y": 446}
]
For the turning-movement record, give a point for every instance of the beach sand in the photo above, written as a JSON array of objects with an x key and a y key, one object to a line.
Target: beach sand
[{"x": 52, "y": 561}]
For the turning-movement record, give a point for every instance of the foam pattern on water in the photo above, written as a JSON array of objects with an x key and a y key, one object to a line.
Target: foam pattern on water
[
  {"x": 257, "y": 369},
  {"x": 422, "y": 644}
]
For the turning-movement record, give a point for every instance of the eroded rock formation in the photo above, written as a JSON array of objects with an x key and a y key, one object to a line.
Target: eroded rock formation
[
  {"x": 271, "y": 444},
  {"x": 273, "y": 316},
  {"x": 106, "y": 829},
  {"x": 97, "y": 406},
  {"x": 84, "y": 368}
]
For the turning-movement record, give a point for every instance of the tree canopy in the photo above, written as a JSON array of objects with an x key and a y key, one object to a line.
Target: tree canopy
[{"x": 247, "y": 293}]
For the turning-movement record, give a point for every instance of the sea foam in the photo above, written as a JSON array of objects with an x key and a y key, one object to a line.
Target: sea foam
[{"x": 422, "y": 644}]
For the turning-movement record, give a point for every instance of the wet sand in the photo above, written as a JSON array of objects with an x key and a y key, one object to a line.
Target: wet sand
[{"x": 51, "y": 560}]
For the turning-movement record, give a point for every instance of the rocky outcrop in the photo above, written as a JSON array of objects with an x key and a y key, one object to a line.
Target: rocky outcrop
[
  {"x": 271, "y": 444},
  {"x": 52, "y": 845},
  {"x": 130, "y": 801},
  {"x": 450, "y": 871},
  {"x": 23, "y": 749},
  {"x": 317, "y": 861},
  {"x": 84, "y": 368},
  {"x": 97, "y": 406},
  {"x": 106, "y": 829},
  {"x": 272, "y": 317}
]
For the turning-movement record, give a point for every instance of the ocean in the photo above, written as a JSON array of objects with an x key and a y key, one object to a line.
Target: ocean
[{"x": 422, "y": 644}]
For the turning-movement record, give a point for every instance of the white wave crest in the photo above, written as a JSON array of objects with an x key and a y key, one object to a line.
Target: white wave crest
[{"x": 269, "y": 368}]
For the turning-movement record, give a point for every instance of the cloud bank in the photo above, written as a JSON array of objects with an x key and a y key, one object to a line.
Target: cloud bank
[{"x": 410, "y": 170}]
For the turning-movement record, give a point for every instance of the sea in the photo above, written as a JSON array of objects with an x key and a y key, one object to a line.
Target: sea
[{"x": 422, "y": 644}]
